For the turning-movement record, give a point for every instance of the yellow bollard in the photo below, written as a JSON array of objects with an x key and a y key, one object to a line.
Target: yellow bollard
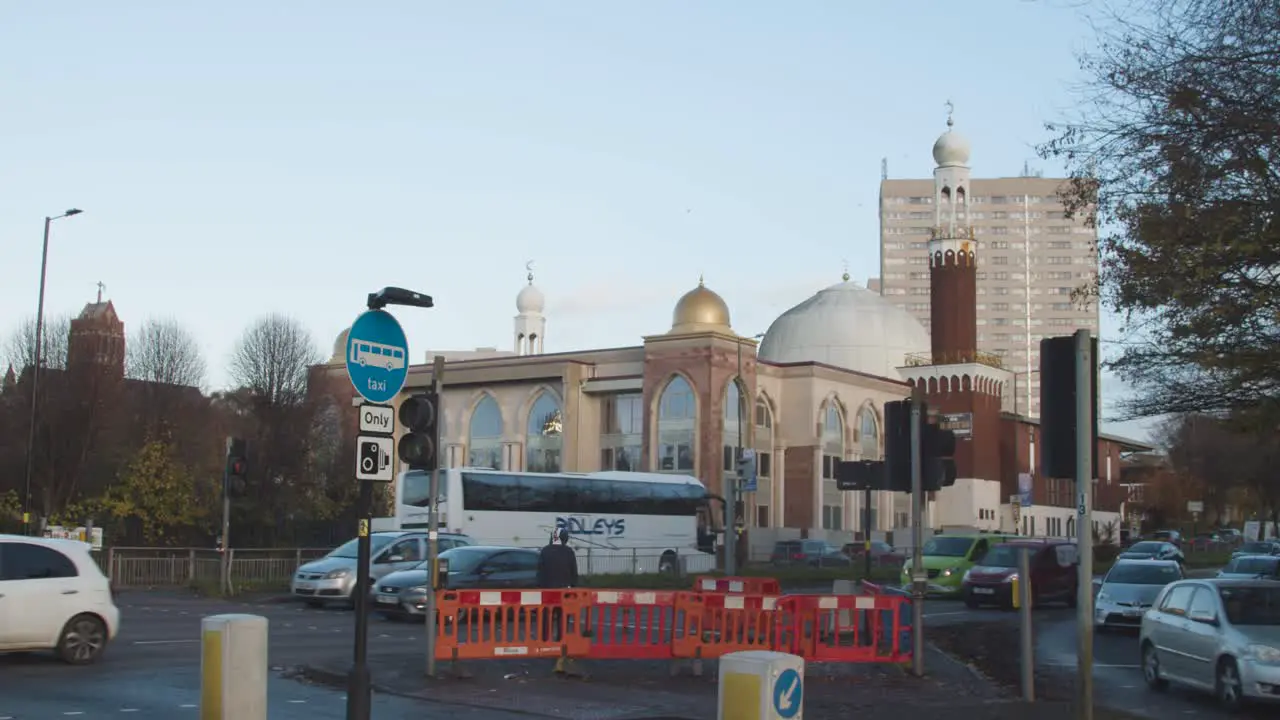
[
  {"x": 1017, "y": 596},
  {"x": 761, "y": 685},
  {"x": 233, "y": 667}
]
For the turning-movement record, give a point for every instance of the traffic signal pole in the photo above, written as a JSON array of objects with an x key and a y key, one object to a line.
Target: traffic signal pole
[
  {"x": 359, "y": 684},
  {"x": 1084, "y": 522},
  {"x": 224, "y": 574},
  {"x": 433, "y": 524},
  {"x": 919, "y": 581}
]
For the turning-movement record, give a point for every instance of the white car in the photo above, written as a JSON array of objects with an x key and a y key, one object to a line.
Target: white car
[{"x": 54, "y": 597}]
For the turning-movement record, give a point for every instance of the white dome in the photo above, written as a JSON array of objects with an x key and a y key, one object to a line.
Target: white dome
[
  {"x": 530, "y": 301},
  {"x": 849, "y": 327},
  {"x": 340, "y": 347},
  {"x": 951, "y": 149}
]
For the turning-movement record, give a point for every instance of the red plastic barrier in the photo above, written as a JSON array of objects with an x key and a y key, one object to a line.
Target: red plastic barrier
[
  {"x": 846, "y": 628},
  {"x": 715, "y": 625},
  {"x": 477, "y": 624},
  {"x": 626, "y": 624},
  {"x": 737, "y": 585}
]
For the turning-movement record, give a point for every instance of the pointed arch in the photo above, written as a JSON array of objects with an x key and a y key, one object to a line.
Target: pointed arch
[
  {"x": 544, "y": 429},
  {"x": 485, "y": 427},
  {"x": 676, "y": 417},
  {"x": 833, "y": 432},
  {"x": 764, "y": 420},
  {"x": 867, "y": 431}
]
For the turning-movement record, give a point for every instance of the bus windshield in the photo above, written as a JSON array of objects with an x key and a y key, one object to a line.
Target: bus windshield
[{"x": 416, "y": 489}]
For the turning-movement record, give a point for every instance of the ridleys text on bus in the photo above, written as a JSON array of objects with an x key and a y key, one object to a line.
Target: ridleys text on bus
[{"x": 612, "y": 527}]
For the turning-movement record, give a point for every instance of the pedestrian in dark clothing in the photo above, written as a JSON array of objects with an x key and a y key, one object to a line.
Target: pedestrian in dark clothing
[{"x": 557, "y": 570}]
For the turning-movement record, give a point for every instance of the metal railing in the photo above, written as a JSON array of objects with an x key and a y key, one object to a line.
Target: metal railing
[
  {"x": 982, "y": 358},
  {"x": 138, "y": 567}
]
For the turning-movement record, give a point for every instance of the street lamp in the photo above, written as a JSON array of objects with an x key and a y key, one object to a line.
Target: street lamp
[{"x": 35, "y": 370}]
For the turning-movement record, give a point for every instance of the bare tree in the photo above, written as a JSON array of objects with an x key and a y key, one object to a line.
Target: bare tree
[
  {"x": 164, "y": 352},
  {"x": 1173, "y": 158},
  {"x": 20, "y": 350},
  {"x": 272, "y": 359}
]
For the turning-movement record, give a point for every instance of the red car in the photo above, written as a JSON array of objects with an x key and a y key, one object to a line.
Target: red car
[{"x": 1054, "y": 566}]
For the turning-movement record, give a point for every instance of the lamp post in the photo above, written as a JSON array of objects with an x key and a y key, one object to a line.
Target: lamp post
[{"x": 35, "y": 371}]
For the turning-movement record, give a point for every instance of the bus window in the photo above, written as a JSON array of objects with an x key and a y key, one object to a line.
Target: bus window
[{"x": 416, "y": 489}]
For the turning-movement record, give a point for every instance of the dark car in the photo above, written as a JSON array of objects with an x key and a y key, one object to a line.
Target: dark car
[
  {"x": 1169, "y": 536},
  {"x": 1054, "y": 573},
  {"x": 882, "y": 554},
  {"x": 1152, "y": 550},
  {"x": 814, "y": 553},
  {"x": 482, "y": 567},
  {"x": 1258, "y": 547},
  {"x": 1245, "y": 567}
]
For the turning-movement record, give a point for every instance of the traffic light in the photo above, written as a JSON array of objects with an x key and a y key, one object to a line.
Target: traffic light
[
  {"x": 1058, "y": 393},
  {"x": 937, "y": 457},
  {"x": 897, "y": 444},
  {"x": 236, "y": 470},
  {"x": 420, "y": 417}
]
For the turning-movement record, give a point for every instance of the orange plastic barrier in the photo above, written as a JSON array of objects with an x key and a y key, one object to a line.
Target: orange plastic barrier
[
  {"x": 626, "y": 624},
  {"x": 476, "y": 624},
  {"x": 714, "y": 625},
  {"x": 737, "y": 585},
  {"x": 847, "y": 628}
]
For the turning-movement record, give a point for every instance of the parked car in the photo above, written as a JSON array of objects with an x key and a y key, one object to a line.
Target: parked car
[
  {"x": 53, "y": 596},
  {"x": 1219, "y": 636},
  {"x": 1128, "y": 589},
  {"x": 1231, "y": 535},
  {"x": 404, "y": 594},
  {"x": 948, "y": 557},
  {"x": 1169, "y": 536},
  {"x": 1258, "y": 547},
  {"x": 332, "y": 578},
  {"x": 1152, "y": 550},
  {"x": 814, "y": 553},
  {"x": 1054, "y": 573},
  {"x": 882, "y": 554},
  {"x": 1243, "y": 567}
]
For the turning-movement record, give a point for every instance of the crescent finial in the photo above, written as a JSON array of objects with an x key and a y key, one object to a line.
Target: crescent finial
[
  {"x": 951, "y": 108},
  {"x": 528, "y": 266}
]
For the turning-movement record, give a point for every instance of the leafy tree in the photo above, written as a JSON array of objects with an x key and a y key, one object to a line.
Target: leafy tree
[
  {"x": 161, "y": 497},
  {"x": 1175, "y": 155}
]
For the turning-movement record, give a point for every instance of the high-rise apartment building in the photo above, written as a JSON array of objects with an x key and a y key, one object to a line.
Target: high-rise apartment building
[{"x": 1031, "y": 262}]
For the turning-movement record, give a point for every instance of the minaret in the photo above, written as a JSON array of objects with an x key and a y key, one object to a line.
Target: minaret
[
  {"x": 953, "y": 277},
  {"x": 531, "y": 324},
  {"x": 960, "y": 382}
]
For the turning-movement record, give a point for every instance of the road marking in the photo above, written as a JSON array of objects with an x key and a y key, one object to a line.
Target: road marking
[
  {"x": 298, "y": 702},
  {"x": 164, "y": 642},
  {"x": 188, "y": 706},
  {"x": 123, "y": 710},
  {"x": 1095, "y": 665},
  {"x": 945, "y": 614},
  {"x": 73, "y": 712}
]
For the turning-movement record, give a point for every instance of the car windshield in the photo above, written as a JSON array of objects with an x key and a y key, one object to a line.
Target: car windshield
[
  {"x": 1127, "y": 574},
  {"x": 948, "y": 546},
  {"x": 1146, "y": 547},
  {"x": 1251, "y": 605},
  {"x": 349, "y": 548},
  {"x": 1254, "y": 565},
  {"x": 1004, "y": 556},
  {"x": 1256, "y": 547},
  {"x": 464, "y": 559}
]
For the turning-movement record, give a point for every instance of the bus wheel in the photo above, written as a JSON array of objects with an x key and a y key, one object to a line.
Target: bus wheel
[{"x": 667, "y": 564}]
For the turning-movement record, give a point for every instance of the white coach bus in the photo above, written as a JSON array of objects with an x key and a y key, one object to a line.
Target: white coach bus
[{"x": 617, "y": 521}]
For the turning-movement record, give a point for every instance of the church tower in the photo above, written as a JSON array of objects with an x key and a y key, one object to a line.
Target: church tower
[
  {"x": 531, "y": 324},
  {"x": 96, "y": 342},
  {"x": 960, "y": 383}
]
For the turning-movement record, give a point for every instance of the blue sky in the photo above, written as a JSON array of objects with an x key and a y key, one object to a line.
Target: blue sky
[{"x": 234, "y": 159}]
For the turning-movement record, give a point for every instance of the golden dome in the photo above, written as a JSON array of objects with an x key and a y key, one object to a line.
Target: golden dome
[{"x": 700, "y": 310}]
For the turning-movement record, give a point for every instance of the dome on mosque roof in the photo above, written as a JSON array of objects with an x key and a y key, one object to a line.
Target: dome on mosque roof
[
  {"x": 700, "y": 310},
  {"x": 951, "y": 149},
  {"x": 847, "y": 326},
  {"x": 530, "y": 300},
  {"x": 340, "y": 347}
]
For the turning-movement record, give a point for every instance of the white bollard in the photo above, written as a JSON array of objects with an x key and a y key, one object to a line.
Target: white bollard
[
  {"x": 761, "y": 685},
  {"x": 233, "y": 667}
]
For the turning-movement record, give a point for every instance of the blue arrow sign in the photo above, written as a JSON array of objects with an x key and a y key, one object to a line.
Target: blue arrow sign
[
  {"x": 788, "y": 694},
  {"x": 377, "y": 356}
]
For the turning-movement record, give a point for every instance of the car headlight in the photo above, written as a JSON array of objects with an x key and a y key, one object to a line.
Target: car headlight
[
  {"x": 416, "y": 591},
  {"x": 335, "y": 574},
  {"x": 1010, "y": 577},
  {"x": 1263, "y": 653},
  {"x": 950, "y": 571}
]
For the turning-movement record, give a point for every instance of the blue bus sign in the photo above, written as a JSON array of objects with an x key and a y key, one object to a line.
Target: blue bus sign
[{"x": 377, "y": 356}]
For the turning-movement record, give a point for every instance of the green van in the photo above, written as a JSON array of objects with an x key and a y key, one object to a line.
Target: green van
[{"x": 948, "y": 557}]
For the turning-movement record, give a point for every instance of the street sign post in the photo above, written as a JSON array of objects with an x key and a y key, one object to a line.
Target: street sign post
[{"x": 377, "y": 356}]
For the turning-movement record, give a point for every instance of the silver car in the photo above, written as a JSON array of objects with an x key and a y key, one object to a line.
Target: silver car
[
  {"x": 333, "y": 577},
  {"x": 1128, "y": 589},
  {"x": 1217, "y": 635},
  {"x": 1250, "y": 567}
]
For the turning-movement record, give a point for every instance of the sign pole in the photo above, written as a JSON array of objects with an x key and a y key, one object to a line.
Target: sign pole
[
  {"x": 1084, "y": 522},
  {"x": 433, "y": 524},
  {"x": 866, "y": 533},
  {"x": 1027, "y": 657},
  {"x": 359, "y": 690},
  {"x": 224, "y": 559},
  {"x": 919, "y": 581}
]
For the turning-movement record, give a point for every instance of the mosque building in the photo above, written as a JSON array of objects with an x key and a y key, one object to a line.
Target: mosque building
[{"x": 808, "y": 393}]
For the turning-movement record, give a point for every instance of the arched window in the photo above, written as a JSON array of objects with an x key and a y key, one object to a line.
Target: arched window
[
  {"x": 677, "y": 418},
  {"x": 543, "y": 436},
  {"x": 832, "y": 454},
  {"x": 868, "y": 435},
  {"x": 484, "y": 435},
  {"x": 762, "y": 441}
]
